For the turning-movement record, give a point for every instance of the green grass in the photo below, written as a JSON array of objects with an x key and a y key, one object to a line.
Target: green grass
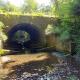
[
  {"x": 27, "y": 14},
  {"x": 4, "y": 52}
]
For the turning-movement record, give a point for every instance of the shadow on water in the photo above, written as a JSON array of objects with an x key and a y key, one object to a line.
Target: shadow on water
[{"x": 33, "y": 67}]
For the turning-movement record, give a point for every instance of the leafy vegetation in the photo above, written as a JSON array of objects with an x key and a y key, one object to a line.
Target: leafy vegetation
[
  {"x": 4, "y": 52},
  {"x": 2, "y": 34},
  {"x": 29, "y": 7},
  {"x": 68, "y": 27},
  {"x": 3, "y": 38}
]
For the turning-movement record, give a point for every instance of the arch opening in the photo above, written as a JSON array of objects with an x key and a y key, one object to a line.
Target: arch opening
[{"x": 25, "y": 36}]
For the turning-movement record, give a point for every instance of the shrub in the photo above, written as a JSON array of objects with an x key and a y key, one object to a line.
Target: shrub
[{"x": 2, "y": 34}]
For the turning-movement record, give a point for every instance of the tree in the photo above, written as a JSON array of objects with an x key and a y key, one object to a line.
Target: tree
[
  {"x": 63, "y": 7},
  {"x": 29, "y": 6},
  {"x": 68, "y": 12},
  {"x": 8, "y": 7},
  {"x": 44, "y": 9}
]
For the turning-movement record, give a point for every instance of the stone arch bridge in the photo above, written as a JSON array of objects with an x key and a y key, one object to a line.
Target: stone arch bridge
[{"x": 40, "y": 22}]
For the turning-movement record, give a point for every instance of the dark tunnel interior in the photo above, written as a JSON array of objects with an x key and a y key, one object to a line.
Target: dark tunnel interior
[{"x": 23, "y": 37}]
